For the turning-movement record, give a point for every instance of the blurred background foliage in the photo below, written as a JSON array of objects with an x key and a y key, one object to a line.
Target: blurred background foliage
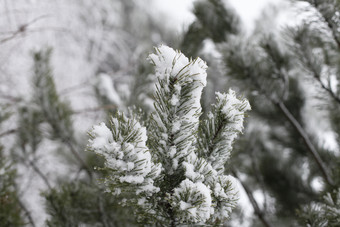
[{"x": 68, "y": 65}]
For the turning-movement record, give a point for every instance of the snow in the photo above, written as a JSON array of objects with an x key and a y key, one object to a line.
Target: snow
[
  {"x": 172, "y": 151},
  {"x": 189, "y": 171},
  {"x": 234, "y": 107},
  {"x": 205, "y": 193},
  {"x": 176, "y": 72},
  {"x": 130, "y": 161},
  {"x": 106, "y": 88},
  {"x": 176, "y": 126},
  {"x": 68, "y": 36},
  {"x": 103, "y": 136},
  {"x": 233, "y": 110},
  {"x": 174, "y": 100},
  {"x": 187, "y": 196},
  {"x": 132, "y": 179}
]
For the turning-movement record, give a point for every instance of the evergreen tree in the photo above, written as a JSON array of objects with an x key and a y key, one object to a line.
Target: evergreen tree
[
  {"x": 170, "y": 167},
  {"x": 11, "y": 212},
  {"x": 169, "y": 161},
  {"x": 281, "y": 155},
  {"x": 44, "y": 123}
]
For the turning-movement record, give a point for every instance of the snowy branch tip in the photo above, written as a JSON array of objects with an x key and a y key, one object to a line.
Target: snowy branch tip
[{"x": 173, "y": 63}]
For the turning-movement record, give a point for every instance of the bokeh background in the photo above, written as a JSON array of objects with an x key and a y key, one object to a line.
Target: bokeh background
[{"x": 270, "y": 51}]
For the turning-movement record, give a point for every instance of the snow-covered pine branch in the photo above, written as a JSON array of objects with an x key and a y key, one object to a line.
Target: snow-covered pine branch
[
  {"x": 126, "y": 156},
  {"x": 175, "y": 168},
  {"x": 175, "y": 123},
  {"x": 220, "y": 129}
]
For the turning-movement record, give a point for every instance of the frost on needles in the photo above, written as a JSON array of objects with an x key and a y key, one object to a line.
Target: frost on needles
[{"x": 171, "y": 167}]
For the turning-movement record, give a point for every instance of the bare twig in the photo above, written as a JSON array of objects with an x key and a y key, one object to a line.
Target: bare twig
[
  {"x": 79, "y": 158},
  {"x": 41, "y": 175},
  {"x": 310, "y": 66},
  {"x": 21, "y": 29},
  {"x": 27, "y": 213},
  {"x": 8, "y": 132},
  {"x": 327, "y": 89},
  {"x": 95, "y": 109},
  {"x": 312, "y": 150},
  {"x": 73, "y": 88},
  {"x": 36, "y": 168},
  {"x": 259, "y": 213}
]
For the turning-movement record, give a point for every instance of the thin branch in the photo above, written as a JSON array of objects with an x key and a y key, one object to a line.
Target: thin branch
[
  {"x": 309, "y": 64},
  {"x": 259, "y": 213},
  {"x": 21, "y": 29},
  {"x": 79, "y": 158},
  {"x": 27, "y": 213},
  {"x": 328, "y": 22},
  {"x": 39, "y": 172},
  {"x": 258, "y": 177},
  {"x": 36, "y": 169},
  {"x": 8, "y": 132},
  {"x": 327, "y": 89},
  {"x": 95, "y": 109},
  {"x": 68, "y": 90},
  {"x": 312, "y": 150},
  {"x": 303, "y": 134},
  {"x": 11, "y": 98}
]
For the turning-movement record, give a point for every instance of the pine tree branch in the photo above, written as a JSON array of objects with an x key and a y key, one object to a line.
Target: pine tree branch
[
  {"x": 259, "y": 213},
  {"x": 316, "y": 5},
  {"x": 312, "y": 150},
  {"x": 301, "y": 131},
  {"x": 216, "y": 134},
  {"x": 327, "y": 89},
  {"x": 310, "y": 66}
]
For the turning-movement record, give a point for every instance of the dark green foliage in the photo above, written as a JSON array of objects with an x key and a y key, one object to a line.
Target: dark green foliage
[
  {"x": 47, "y": 107},
  {"x": 262, "y": 67},
  {"x": 213, "y": 20},
  {"x": 4, "y": 113},
  {"x": 55, "y": 112},
  {"x": 11, "y": 213},
  {"x": 283, "y": 152},
  {"x": 277, "y": 154},
  {"x": 323, "y": 213},
  {"x": 83, "y": 204},
  {"x": 217, "y": 21},
  {"x": 29, "y": 133}
]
